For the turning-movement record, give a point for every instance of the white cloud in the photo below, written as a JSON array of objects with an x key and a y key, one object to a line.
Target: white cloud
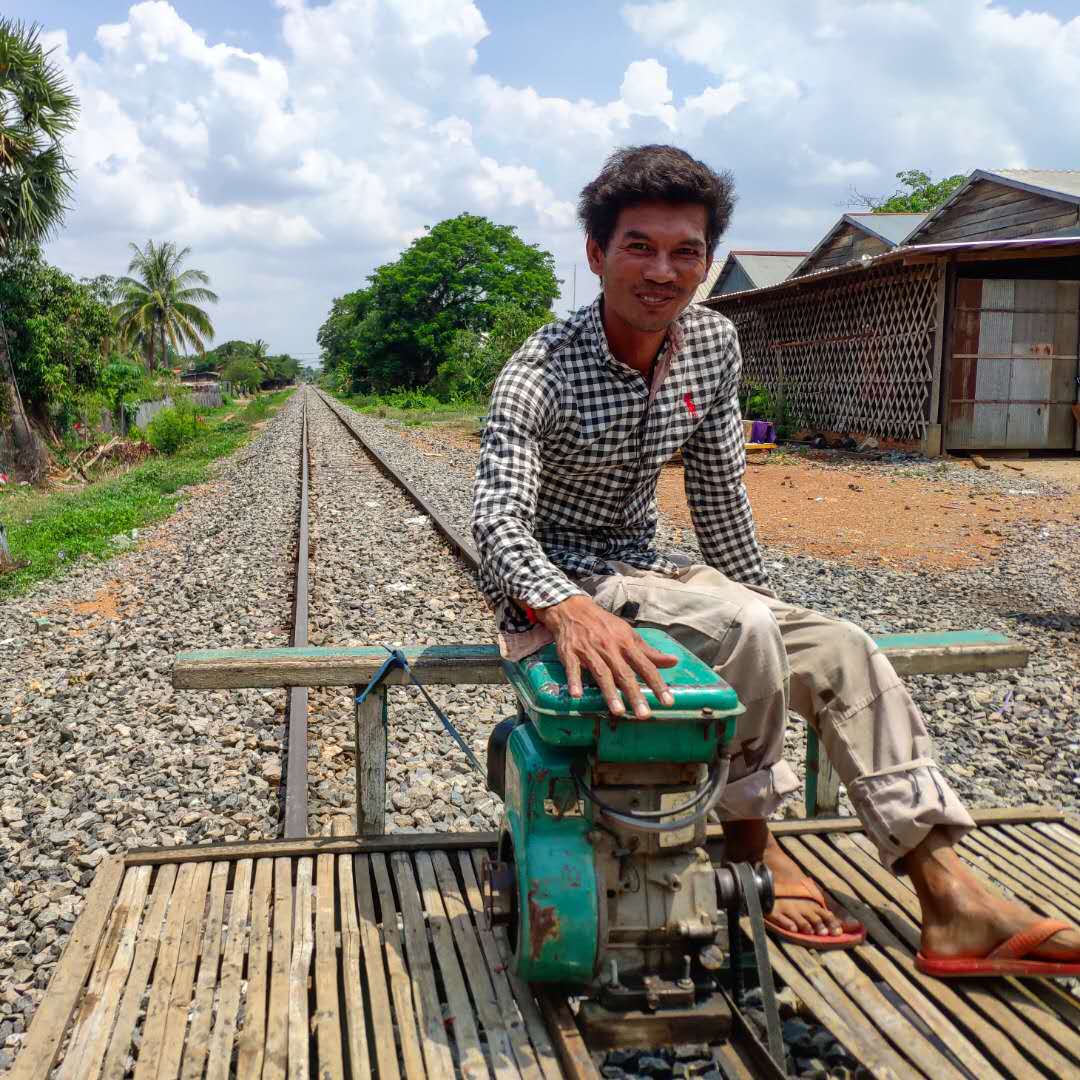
[{"x": 294, "y": 174}]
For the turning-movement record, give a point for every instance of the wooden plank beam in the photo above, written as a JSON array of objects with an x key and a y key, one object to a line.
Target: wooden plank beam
[
  {"x": 226, "y": 669},
  {"x": 316, "y": 845},
  {"x": 998, "y": 815},
  {"x": 229, "y": 669}
]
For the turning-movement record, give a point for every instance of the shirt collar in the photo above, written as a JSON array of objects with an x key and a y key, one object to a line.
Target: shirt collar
[{"x": 673, "y": 343}]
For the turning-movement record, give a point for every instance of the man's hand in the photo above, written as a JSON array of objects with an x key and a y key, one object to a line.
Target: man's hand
[{"x": 588, "y": 636}]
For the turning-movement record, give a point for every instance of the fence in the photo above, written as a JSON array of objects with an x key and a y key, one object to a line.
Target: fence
[{"x": 853, "y": 352}]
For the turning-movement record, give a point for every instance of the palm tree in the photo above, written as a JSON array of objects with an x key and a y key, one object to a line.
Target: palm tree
[
  {"x": 37, "y": 108},
  {"x": 260, "y": 355},
  {"x": 159, "y": 306}
]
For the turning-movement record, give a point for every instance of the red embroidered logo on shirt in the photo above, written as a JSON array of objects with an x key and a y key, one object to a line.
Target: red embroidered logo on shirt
[{"x": 690, "y": 404}]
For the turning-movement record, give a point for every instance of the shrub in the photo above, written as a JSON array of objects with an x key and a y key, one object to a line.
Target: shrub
[{"x": 173, "y": 428}]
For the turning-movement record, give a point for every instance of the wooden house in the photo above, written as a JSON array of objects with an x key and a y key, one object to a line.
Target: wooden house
[
  {"x": 856, "y": 235},
  {"x": 960, "y": 335}
]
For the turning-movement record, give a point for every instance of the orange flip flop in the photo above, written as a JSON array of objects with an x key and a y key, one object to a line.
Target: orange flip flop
[
  {"x": 1006, "y": 959},
  {"x": 807, "y": 889}
]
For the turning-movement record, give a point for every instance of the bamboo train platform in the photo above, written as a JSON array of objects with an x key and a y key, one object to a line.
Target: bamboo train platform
[{"x": 350, "y": 956}]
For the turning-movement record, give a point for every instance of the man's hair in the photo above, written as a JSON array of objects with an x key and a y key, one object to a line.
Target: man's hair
[{"x": 637, "y": 174}]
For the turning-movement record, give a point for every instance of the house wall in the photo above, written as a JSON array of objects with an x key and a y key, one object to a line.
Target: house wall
[
  {"x": 849, "y": 244},
  {"x": 988, "y": 211},
  {"x": 854, "y": 352}
]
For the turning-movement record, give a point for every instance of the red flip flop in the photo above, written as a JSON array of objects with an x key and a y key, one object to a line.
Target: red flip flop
[
  {"x": 807, "y": 889},
  {"x": 1006, "y": 959}
]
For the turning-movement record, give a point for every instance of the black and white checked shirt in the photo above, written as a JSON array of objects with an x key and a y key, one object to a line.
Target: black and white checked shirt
[{"x": 573, "y": 448}]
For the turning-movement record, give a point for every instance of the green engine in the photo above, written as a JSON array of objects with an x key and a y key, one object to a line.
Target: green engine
[{"x": 602, "y": 878}]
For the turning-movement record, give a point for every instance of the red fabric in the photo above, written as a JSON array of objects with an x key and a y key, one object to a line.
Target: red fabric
[{"x": 690, "y": 404}]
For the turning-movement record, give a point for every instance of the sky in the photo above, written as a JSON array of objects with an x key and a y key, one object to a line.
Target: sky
[{"x": 294, "y": 145}]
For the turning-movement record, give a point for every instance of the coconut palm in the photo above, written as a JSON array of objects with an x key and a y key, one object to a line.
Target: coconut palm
[
  {"x": 37, "y": 108},
  {"x": 159, "y": 305},
  {"x": 260, "y": 355}
]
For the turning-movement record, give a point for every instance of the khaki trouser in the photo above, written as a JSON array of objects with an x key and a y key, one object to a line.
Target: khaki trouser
[{"x": 778, "y": 656}]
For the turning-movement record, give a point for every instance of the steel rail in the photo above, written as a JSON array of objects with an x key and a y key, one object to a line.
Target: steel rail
[
  {"x": 463, "y": 547},
  {"x": 296, "y": 772}
]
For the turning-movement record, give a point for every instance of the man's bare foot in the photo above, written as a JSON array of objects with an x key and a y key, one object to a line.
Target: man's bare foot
[
  {"x": 751, "y": 841},
  {"x": 962, "y": 917}
]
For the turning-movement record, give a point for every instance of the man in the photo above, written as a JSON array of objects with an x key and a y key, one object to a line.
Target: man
[{"x": 581, "y": 421}]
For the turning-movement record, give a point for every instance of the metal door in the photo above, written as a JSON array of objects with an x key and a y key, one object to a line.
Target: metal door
[{"x": 1014, "y": 365}]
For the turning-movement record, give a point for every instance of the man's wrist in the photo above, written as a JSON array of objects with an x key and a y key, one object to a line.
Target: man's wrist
[{"x": 551, "y": 617}]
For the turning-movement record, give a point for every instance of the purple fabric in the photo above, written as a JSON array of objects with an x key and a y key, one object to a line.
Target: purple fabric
[{"x": 762, "y": 432}]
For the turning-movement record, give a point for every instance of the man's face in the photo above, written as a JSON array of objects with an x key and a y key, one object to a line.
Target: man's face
[{"x": 654, "y": 262}]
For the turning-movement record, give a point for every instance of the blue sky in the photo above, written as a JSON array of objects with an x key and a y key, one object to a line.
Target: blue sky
[{"x": 296, "y": 146}]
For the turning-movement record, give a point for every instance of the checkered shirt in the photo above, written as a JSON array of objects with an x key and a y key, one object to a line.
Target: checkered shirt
[{"x": 572, "y": 450}]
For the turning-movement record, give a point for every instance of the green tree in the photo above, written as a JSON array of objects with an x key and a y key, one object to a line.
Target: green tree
[
  {"x": 242, "y": 373},
  {"x": 37, "y": 109},
  {"x": 475, "y": 360},
  {"x": 55, "y": 329},
  {"x": 337, "y": 337},
  {"x": 159, "y": 307},
  {"x": 399, "y": 330},
  {"x": 917, "y": 194}
]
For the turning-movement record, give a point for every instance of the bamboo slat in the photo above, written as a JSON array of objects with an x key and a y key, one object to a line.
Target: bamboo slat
[
  {"x": 435, "y": 1042},
  {"x": 299, "y": 972},
  {"x": 460, "y": 1019},
  {"x": 157, "y": 1011},
  {"x": 198, "y": 1044},
  {"x": 381, "y": 1016},
  {"x": 232, "y": 971},
  {"x": 508, "y": 1043},
  {"x": 355, "y": 1033},
  {"x": 401, "y": 985},
  {"x": 327, "y": 1015},
  {"x": 184, "y": 980},
  {"x": 146, "y": 950},
  {"x": 252, "y": 1050},
  {"x": 522, "y": 995},
  {"x": 111, "y": 965},
  {"x": 276, "y": 1059}
]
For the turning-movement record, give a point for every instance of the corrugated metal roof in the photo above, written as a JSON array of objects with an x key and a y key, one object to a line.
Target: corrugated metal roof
[
  {"x": 901, "y": 252},
  {"x": 1062, "y": 181},
  {"x": 890, "y": 227},
  {"x": 705, "y": 287},
  {"x": 766, "y": 268}
]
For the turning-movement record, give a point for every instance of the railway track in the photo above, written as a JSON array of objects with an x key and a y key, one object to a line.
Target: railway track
[{"x": 341, "y": 470}]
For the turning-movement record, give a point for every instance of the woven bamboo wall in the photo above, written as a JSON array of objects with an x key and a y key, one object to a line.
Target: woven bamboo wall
[{"x": 853, "y": 352}]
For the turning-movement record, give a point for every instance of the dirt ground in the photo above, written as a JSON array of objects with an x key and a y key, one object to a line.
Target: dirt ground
[
  {"x": 875, "y": 513},
  {"x": 866, "y": 514}
]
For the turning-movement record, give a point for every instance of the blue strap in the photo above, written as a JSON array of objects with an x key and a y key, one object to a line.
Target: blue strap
[{"x": 396, "y": 659}]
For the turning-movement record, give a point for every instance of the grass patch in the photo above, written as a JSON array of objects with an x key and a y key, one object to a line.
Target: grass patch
[
  {"x": 52, "y": 531},
  {"x": 417, "y": 410}
]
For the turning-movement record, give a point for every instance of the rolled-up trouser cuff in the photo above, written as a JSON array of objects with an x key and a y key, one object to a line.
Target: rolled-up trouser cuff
[
  {"x": 899, "y": 806},
  {"x": 758, "y": 794}
]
